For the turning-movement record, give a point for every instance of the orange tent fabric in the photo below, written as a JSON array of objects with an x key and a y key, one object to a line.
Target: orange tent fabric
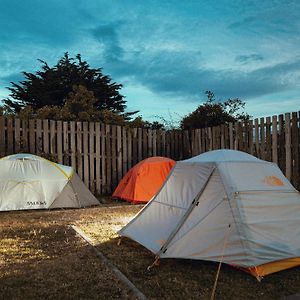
[{"x": 144, "y": 180}]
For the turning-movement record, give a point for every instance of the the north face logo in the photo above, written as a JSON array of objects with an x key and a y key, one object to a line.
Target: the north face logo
[{"x": 273, "y": 180}]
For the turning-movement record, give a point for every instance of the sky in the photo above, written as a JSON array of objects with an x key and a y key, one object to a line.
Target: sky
[{"x": 165, "y": 53}]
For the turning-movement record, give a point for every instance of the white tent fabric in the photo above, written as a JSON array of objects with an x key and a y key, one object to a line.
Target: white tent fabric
[
  {"x": 31, "y": 182},
  {"x": 217, "y": 194}
]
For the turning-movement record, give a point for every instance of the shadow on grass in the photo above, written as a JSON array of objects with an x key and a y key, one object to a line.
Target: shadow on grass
[
  {"x": 191, "y": 279},
  {"x": 52, "y": 263}
]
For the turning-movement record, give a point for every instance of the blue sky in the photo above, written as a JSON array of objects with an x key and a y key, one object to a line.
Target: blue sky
[{"x": 165, "y": 53}]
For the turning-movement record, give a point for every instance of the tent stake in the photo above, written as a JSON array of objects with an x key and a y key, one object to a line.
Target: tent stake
[{"x": 155, "y": 263}]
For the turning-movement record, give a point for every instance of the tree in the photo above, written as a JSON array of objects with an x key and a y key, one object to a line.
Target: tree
[
  {"x": 79, "y": 106},
  {"x": 212, "y": 113},
  {"x": 51, "y": 86}
]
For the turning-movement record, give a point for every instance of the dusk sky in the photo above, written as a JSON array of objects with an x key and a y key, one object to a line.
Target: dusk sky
[{"x": 165, "y": 53}]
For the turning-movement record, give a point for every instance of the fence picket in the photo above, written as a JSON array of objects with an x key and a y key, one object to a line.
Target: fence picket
[
  {"x": 98, "y": 158},
  {"x": 288, "y": 154}
]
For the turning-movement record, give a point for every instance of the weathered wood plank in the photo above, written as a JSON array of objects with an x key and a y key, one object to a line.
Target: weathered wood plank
[
  {"x": 124, "y": 148},
  {"x": 129, "y": 148},
  {"x": 274, "y": 140},
  {"x": 158, "y": 143},
  {"x": 236, "y": 136},
  {"x": 114, "y": 156},
  {"x": 250, "y": 137},
  {"x": 119, "y": 153},
  {"x": 214, "y": 138},
  {"x": 17, "y": 136},
  {"x": 2, "y": 136},
  {"x": 262, "y": 139},
  {"x": 45, "y": 136},
  {"x": 59, "y": 136},
  {"x": 134, "y": 146},
  {"x": 288, "y": 154},
  {"x": 103, "y": 159},
  {"x": 168, "y": 146},
  {"x": 295, "y": 150},
  {"x": 163, "y": 144},
  {"x": 108, "y": 158},
  {"x": 98, "y": 158},
  {"x": 85, "y": 147},
  {"x": 231, "y": 140},
  {"x": 140, "y": 144},
  {"x": 39, "y": 136},
  {"x": 154, "y": 148},
  {"x": 72, "y": 147},
  {"x": 10, "y": 137},
  {"x": 92, "y": 156},
  {"x": 257, "y": 147},
  {"x": 53, "y": 139},
  {"x": 65, "y": 143},
  {"x": 268, "y": 140},
  {"x": 226, "y": 136},
  {"x": 281, "y": 142},
  {"x": 145, "y": 143},
  {"x": 149, "y": 131},
  {"x": 79, "y": 148}
]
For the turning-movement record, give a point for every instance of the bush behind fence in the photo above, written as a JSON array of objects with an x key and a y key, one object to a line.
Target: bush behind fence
[{"x": 101, "y": 154}]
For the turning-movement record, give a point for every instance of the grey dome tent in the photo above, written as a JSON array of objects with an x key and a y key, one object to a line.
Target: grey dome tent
[
  {"x": 31, "y": 182},
  {"x": 223, "y": 197}
]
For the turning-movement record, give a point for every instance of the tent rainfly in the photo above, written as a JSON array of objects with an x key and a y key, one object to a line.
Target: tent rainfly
[
  {"x": 227, "y": 206},
  {"x": 31, "y": 182},
  {"x": 144, "y": 180}
]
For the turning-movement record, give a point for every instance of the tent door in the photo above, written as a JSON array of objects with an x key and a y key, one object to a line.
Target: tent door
[{"x": 185, "y": 216}]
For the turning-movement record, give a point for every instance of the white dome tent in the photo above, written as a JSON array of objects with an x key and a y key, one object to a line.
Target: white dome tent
[
  {"x": 31, "y": 182},
  {"x": 223, "y": 197}
]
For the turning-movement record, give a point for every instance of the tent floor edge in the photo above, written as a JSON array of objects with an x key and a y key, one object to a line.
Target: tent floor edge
[{"x": 272, "y": 267}]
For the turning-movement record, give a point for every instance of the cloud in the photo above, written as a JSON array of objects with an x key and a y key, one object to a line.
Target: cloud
[
  {"x": 245, "y": 59},
  {"x": 107, "y": 36},
  {"x": 181, "y": 73}
]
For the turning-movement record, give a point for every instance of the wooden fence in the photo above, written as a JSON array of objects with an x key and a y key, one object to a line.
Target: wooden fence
[{"x": 101, "y": 154}]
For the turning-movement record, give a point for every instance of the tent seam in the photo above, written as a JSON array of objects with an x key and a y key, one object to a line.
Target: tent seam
[{"x": 232, "y": 212}]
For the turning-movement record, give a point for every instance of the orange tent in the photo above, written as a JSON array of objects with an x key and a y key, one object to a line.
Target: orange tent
[{"x": 144, "y": 180}]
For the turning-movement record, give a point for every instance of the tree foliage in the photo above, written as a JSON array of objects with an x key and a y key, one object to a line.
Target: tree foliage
[
  {"x": 51, "y": 86},
  {"x": 213, "y": 113},
  {"x": 79, "y": 106},
  {"x": 140, "y": 123}
]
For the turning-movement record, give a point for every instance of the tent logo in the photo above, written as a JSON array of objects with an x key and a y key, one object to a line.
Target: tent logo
[{"x": 273, "y": 181}]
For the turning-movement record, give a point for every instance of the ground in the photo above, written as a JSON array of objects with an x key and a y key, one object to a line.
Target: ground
[{"x": 41, "y": 257}]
